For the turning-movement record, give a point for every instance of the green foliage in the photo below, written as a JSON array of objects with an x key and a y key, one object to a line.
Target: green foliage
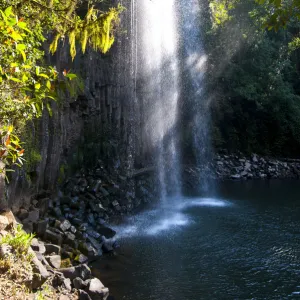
[
  {"x": 254, "y": 80},
  {"x": 19, "y": 240},
  {"x": 96, "y": 30},
  {"x": 27, "y": 84},
  {"x": 11, "y": 151},
  {"x": 280, "y": 12},
  {"x": 220, "y": 11}
]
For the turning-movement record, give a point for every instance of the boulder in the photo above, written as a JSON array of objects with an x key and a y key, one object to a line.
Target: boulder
[
  {"x": 70, "y": 240},
  {"x": 81, "y": 258},
  {"x": 96, "y": 290},
  {"x": 88, "y": 250},
  {"x": 67, "y": 284},
  {"x": 3, "y": 222},
  {"x": 93, "y": 233},
  {"x": 82, "y": 271},
  {"x": 54, "y": 261},
  {"x": 65, "y": 225},
  {"x": 11, "y": 218},
  {"x": 38, "y": 246},
  {"x": 40, "y": 273},
  {"x": 54, "y": 236},
  {"x": 96, "y": 245},
  {"x": 51, "y": 248},
  {"x": 40, "y": 227},
  {"x": 84, "y": 295},
  {"x": 79, "y": 283}
]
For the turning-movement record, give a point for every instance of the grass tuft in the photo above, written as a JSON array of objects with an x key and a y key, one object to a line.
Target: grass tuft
[{"x": 19, "y": 240}]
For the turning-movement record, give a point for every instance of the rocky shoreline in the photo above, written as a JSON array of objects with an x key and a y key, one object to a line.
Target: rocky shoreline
[
  {"x": 241, "y": 167},
  {"x": 72, "y": 228}
]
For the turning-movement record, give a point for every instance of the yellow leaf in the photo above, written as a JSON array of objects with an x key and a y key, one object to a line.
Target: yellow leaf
[
  {"x": 43, "y": 75},
  {"x": 16, "y": 36},
  {"x": 23, "y": 55}
]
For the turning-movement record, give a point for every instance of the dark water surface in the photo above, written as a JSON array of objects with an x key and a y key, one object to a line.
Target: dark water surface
[{"x": 243, "y": 244}]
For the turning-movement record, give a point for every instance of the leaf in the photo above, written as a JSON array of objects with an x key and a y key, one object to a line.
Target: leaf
[
  {"x": 48, "y": 85},
  {"x": 21, "y": 47},
  {"x": 10, "y": 128},
  {"x": 37, "y": 86},
  {"x": 24, "y": 78},
  {"x": 3, "y": 16},
  {"x": 277, "y": 3},
  {"x": 8, "y": 11},
  {"x": 23, "y": 55},
  {"x": 16, "y": 36},
  {"x": 71, "y": 76},
  {"x": 43, "y": 75},
  {"x": 15, "y": 79},
  {"x": 22, "y": 25},
  {"x": 37, "y": 71},
  {"x": 49, "y": 109}
]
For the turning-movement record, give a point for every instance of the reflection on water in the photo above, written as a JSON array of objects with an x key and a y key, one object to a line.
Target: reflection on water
[{"x": 244, "y": 247}]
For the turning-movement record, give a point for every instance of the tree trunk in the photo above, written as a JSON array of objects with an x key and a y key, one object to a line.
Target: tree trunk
[{"x": 3, "y": 199}]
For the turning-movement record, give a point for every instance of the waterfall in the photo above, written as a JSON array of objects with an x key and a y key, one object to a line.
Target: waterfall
[
  {"x": 158, "y": 88},
  {"x": 194, "y": 66},
  {"x": 168, "y": 69}
]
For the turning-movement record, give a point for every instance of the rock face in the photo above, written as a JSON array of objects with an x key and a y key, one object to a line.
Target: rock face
[{"x": 84, "y": 128}]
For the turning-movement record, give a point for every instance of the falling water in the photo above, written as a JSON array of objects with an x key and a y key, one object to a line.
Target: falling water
[
  {"x": 168, "y": 54},
  {"x": 158, "y": 87},
  {"x": 194, "y": 69}
]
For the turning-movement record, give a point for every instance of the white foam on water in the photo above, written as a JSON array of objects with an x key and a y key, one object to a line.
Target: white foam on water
[
  {"x": 211, "y": 202},
  {"x": 169, "y": 216},
  {"x": 175, "y": 220}
]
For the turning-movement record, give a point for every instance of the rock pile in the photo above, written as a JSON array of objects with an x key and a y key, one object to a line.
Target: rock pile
[
  {"x": 72, "y": 227},
  {"x": 241, "y": 167},
  {"x": 47, "y": 261},
  {"x": 77, "y": 217}
]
